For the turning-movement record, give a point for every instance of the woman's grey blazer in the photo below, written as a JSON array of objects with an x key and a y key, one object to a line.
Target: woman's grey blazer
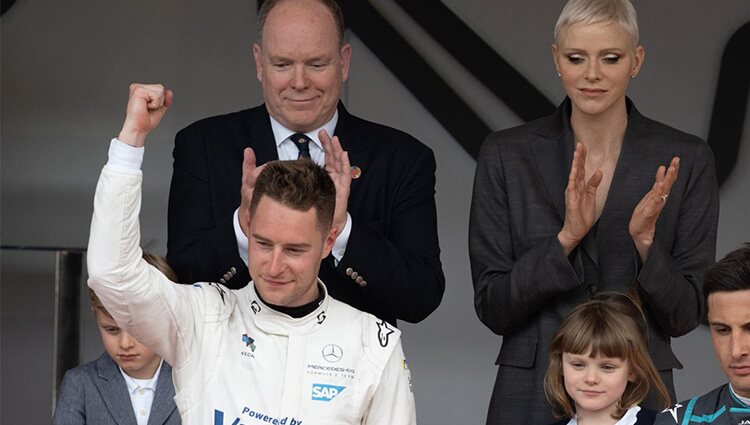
[{"x": 524, "y": 285}]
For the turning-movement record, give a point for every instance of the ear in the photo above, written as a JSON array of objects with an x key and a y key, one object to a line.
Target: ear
[
  {"x": 638, "y": 56},
  {"x": 258, "y": 55},
  {"x": 328, "y": 242},
  {"x": 554, "y": 57},
  {"x": 346, "y": 57}
]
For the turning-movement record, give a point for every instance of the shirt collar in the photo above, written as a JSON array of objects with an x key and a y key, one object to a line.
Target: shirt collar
[
  {"x": 744, "y": 400},
  {"x": 281, "y": 133},
  {"x": 136, "y": 384}
]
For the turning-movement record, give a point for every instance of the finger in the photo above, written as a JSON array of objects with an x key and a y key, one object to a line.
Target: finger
[
  {"x": 325, "y": 140},
  {"x": 338, "y": 154},
  {"x": 168, "y": 96},
  {"x": 660, "y": 172},
  {"x": 248, "y": 164},
  {"x": 573, "y": 176},
  {"x": 671, "y": 174},
  {"x": 594, "y": 181}
]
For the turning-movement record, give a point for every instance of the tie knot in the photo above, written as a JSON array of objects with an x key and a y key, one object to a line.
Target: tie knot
[{"x": 303, "y": 144}]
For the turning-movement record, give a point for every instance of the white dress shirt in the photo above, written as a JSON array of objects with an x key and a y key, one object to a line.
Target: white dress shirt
[
  {"x": 287, "y": 150},
  {"x": 141, "y": 394}
]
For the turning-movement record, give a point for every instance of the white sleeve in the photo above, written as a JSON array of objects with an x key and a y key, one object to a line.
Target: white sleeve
[
  {"x": 339, "y": 246},
  {"x": 156, "y": 311},
  {"x": 393, "y": 401},
  {"x": 242, "y": 242}
]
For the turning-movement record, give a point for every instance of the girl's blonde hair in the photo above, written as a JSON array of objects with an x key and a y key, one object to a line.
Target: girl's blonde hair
[{"x": 612, "y": 325}]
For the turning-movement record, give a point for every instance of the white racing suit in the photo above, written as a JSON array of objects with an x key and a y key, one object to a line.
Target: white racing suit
[{"x": 236, "y": 361}]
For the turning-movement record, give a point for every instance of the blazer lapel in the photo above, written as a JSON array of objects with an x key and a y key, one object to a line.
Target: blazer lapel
[
  {"x": 163, "y": 404},
  {"x": 114, "y": 391},
  {"x": 552, "y": 149},
  {"x": 260, "y": 136}
]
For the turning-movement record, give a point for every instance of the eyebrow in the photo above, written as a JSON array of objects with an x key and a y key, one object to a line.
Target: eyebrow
[{"x": 289, "y": 245}]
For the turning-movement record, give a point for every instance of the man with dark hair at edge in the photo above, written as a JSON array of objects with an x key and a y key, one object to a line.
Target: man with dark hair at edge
[{"x": 726, "y": 290}]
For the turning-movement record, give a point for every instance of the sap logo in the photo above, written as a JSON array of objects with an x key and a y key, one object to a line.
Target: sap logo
[{"x": 323, "y": 392}]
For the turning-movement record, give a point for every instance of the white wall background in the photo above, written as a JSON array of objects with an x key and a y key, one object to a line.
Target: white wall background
[{"x": 65, "y": 68}]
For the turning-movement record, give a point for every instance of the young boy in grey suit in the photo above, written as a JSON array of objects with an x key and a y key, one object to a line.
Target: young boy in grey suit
[{"x": 128, "y": 384}]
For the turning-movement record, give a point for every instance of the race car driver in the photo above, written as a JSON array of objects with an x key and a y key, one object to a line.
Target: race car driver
[
  {"x": 278, "y": 351},
  {"x": 727, "y": 292}
]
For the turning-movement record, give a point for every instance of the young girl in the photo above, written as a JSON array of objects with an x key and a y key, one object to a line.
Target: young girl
[{"x": 599, "y": 367}]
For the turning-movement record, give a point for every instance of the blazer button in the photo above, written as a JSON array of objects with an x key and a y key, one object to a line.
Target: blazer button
[
  {"x": 222, "y": 281},
  {"x": 349, "y": 271},
  {"x": 359, "y": 280},
  {"x": 233, "y": 271},
  {"x": 354, "y": 275},
  {"x": 362, "y": 284}
]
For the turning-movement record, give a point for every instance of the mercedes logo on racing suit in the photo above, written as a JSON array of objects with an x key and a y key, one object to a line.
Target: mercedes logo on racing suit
[{"x": 332, "y": 353}]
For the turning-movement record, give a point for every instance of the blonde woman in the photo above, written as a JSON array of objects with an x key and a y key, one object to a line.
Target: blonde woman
[{"x": 593, "y": 197}]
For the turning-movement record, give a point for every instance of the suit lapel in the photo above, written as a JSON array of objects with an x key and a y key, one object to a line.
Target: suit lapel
[
  {"x": 552, "y": 149},
  {"x": 347, "y": 133},
  {"x": 114, "y": 391},
  {"x": 163, "y": 404},
  {"x": 260, "y": 136}
]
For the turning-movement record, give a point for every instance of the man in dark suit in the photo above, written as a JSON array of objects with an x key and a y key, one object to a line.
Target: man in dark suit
[{"x": 386, "y": 260}]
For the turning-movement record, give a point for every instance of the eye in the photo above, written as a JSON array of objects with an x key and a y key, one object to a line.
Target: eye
[
  {"x": 281, "y": 66},
  {"x": 609, "y": 367},
  {"x": 575, "y": 58},
  {"x": 721, "y": 330},
  {"x": 577, "y": 365},
  {"x": 111, "y": 330},
  {"x": 318, "y": 65},
  {"x": 611, "y": 59},
  {"x": 263, "y": 244},
  {"x": 295, "y": 251}
]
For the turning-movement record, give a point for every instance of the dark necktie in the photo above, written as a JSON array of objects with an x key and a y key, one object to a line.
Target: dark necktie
[{"x": 303, "y": 144}]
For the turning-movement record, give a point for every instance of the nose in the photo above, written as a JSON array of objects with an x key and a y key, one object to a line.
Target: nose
[
  {"x": 592, "y": 71},
  {"x": 592, "y": 377},
  {"x": 276, "y": 264},
  {"x": 740, "y": 345},
  {"x": 126, "y": 340},
  {"x": 299, "y": 77}
]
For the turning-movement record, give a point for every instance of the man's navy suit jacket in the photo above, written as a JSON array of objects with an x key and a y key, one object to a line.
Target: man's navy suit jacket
[{"x": 393, "y": 244}]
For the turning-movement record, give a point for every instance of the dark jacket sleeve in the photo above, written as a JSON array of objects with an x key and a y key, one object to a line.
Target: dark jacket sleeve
[
  {"x": 509, "y": 286},
  {"x": 401, "y": 263},
  {"x": 671, "y": 279}
]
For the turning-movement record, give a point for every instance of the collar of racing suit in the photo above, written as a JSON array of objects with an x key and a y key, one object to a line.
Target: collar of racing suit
[{"x": 275, "y": 322}]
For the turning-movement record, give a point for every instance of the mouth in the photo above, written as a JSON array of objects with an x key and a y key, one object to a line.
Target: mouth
[
  {"x": 743, "y": 370},
  {"x": 127, "y": 357},
  {"x": 592, "y": 92},
  {"x": 591, "y": 393},
  {"x": 275, "y": 282}
]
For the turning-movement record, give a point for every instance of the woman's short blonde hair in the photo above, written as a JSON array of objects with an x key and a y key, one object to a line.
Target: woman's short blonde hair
[
  {"x": 587, "y": 12},
  {"x": 612, "y": 325}
]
